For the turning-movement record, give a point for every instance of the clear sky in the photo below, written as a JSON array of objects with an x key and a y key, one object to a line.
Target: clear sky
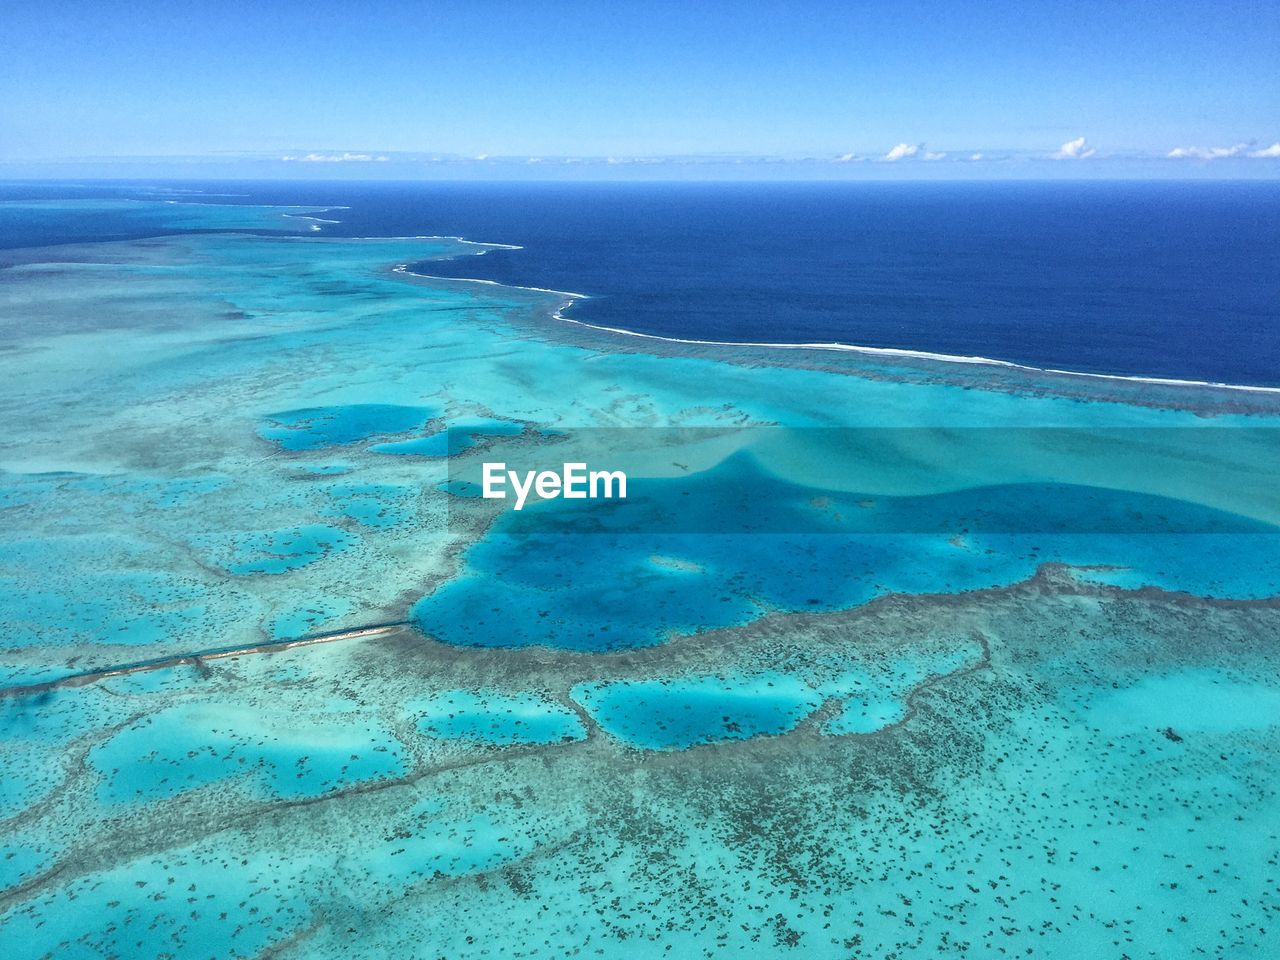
[{"x": 476, "y": 86}]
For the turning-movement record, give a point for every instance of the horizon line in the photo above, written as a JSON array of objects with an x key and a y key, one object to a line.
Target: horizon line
[{"x": 463, "y": 181}]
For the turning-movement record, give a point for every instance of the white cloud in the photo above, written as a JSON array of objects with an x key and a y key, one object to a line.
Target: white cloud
[
  {"x": 1207, "y": 153},
  {"x": 337, "y": 158},
  {"x": 976, "y": 156},
  {"x": 902, "y": 151},
  {"x": 933, "y": 156},
  {"x": 1077, "y": 149},
  {"x": 629, "y": 161},
  {"x": 1218, "y": 153},
  {"x": 846, "y": 158}
]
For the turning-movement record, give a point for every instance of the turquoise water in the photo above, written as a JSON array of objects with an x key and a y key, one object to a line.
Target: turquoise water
[
  {"x": 183, "y": 749},
  {"x": 373, "y": 504},
  {"x": 461, "y": 435},
  {"x": 846, "y": 551},
  {"x": 273, "y": 551},
  {"x": 680, "y": 713},
  {"x": 790, "y": 698},
  {"x": 318, "y": 427},
  {"x": 487, "y": 717},
  {"x": 1207, "y": 701},
  {"x": 309, "y": 620}
]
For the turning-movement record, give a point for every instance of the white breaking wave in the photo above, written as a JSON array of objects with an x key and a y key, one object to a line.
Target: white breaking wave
[
  {"x": 299, "y": 216},
  {"x": 917, "y": 355},
  {"x": 569, "y": 296}
]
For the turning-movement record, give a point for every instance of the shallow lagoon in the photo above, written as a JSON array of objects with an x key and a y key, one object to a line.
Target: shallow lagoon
[
  {"x": 584, "y": 578},
  {"x": 186, "y": 748},
  {"x": 405, "y": 780},
  {"x": 684, "y": 712},
  {"x": 496, "y": 718},
  {"x": 319, "y": 427}
]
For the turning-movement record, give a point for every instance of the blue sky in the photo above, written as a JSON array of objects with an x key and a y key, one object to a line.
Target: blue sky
[{"x": 501, "y": 88}]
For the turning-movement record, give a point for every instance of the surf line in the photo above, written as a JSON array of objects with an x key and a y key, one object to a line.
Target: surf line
[
  {"x": 900, "y": 352},
  {"x": 836, "y": 347},
  {"x": 194, "y": 659}
]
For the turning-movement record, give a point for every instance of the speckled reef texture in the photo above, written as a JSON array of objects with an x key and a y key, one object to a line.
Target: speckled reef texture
[{"x": 1053, "y": 739}]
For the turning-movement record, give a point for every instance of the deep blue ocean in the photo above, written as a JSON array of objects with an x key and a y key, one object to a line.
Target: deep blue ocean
[{"x": 1177, "y": 280}]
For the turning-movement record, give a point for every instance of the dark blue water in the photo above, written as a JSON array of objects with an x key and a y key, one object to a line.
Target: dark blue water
[{"x": 1174, "y": 280}]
